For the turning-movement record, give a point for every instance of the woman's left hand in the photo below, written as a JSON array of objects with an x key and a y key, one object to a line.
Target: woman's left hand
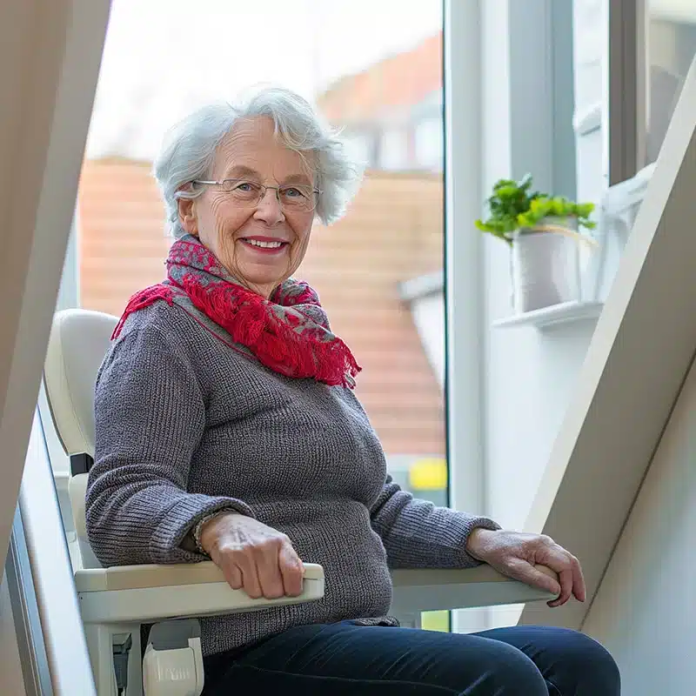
[{"x": 516, "y": 553}]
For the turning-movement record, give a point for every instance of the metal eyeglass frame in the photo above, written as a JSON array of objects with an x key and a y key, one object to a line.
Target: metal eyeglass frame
[{"x": 263, "y": 188}]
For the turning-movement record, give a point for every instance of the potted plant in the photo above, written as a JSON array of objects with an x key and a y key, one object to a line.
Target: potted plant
[{"x": 543, "y": 233}]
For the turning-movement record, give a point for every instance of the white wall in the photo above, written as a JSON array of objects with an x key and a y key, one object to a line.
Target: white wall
[{"x": 645, "y": 611}]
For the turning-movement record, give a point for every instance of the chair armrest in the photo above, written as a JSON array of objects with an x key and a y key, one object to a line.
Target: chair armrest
[
  {"x": 432, "y": 590},
  {"x": 149, "y": 593}
]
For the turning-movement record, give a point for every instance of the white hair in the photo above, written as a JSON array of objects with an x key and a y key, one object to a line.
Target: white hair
[{"x": 189, "y": 149}]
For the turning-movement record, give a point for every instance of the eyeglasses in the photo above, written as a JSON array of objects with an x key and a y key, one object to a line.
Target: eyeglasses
[{"x": 250, "y": 193}]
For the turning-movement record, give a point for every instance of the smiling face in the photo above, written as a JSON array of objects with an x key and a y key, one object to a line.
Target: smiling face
[{"x": 263, "y": 245}]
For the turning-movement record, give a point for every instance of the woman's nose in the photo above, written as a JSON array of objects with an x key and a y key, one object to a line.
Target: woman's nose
[{"x": 269, "y": 208}]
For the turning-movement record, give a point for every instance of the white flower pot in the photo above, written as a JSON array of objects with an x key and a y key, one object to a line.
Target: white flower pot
[{"x": 545, "y": 267}]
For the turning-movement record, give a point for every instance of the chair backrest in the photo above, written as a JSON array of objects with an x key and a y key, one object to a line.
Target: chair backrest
[{"x": 76, "y": 348}]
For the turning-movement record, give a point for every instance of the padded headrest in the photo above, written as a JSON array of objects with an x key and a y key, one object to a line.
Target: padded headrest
[{"x": 77, "y": 346}]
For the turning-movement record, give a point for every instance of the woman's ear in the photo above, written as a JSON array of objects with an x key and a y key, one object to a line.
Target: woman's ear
[{"x": 187, "y": 215}]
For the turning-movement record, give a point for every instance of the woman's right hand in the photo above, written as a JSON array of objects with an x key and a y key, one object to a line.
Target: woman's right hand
[{"x": 253, "y": 556}]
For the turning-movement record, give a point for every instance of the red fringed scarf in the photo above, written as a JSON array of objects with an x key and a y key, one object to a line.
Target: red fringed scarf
[{"x": 289, "y": 333}]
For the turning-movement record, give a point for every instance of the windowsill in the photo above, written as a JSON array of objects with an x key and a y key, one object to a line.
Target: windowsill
[{"x": 548, "y": 317}]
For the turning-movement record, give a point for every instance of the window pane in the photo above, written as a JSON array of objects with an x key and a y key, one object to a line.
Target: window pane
[
  {"x": 671, "y": 48},
  {"x": 378, "y": 271}
]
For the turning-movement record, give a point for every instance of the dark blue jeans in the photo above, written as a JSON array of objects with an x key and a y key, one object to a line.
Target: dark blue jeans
[{"x": 344, "y": 659}]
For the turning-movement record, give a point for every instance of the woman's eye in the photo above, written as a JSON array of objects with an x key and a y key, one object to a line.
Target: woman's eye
[
  {"x": 292, "y": 192},
  {"x": 244, "y": 186}
]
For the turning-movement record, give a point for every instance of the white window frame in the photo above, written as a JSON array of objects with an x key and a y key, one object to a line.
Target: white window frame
[
  {"x": 463, "y": 196},
  {"x": 464, "y": 358}
]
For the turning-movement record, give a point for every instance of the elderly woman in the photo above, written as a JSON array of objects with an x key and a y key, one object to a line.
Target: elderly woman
[{"x": 227, "y": 428}]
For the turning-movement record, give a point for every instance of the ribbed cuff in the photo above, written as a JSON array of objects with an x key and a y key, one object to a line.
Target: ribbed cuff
[
  {"x": 468, "y": 561},
  {"x": 168, "y": 537}
]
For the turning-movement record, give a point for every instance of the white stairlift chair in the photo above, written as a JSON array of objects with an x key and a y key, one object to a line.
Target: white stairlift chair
[{"x": 115, "y": 602}]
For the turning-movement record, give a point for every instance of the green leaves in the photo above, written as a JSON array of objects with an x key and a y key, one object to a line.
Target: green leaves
[{"x": 513, "y": 205}]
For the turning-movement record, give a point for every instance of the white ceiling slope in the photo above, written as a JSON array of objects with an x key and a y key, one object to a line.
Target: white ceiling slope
[{"x": 636, "y": 364}]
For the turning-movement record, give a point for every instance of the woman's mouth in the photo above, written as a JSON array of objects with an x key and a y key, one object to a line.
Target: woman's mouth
[{"x": 264, "y": 246}]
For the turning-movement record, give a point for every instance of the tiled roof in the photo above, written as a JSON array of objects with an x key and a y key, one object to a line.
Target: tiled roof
[
  {"x": 393, "y": 232},
  {"x": 396, "y": 83}
]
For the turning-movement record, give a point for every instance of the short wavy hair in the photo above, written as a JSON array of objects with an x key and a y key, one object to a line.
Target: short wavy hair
[{"x": 189, "y": 149}]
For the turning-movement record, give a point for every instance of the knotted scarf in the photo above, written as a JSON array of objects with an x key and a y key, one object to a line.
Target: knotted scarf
[{"x": 288, "y": 333}]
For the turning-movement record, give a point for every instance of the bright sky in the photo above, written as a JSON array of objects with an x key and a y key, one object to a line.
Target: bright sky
[{"x": 164, "y": 57}]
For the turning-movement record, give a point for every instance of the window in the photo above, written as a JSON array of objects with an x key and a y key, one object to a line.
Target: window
[
  {"x": 670, "y": 50},
  {"x": 393, "y": 232},
  {"x": 650, "y": 46},
  {"x": 649, "y": 49}
]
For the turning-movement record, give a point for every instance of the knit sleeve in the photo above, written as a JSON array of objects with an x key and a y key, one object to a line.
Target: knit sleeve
[
  {"x": 149, "y": 417},
  {"x": 417, "y": 534}
]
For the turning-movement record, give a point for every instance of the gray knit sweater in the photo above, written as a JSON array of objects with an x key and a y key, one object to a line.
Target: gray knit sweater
[{"x": 188, "y": 423}]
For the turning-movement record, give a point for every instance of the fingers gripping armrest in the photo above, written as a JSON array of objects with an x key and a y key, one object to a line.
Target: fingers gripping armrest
[{"x": 146, "y": 593}]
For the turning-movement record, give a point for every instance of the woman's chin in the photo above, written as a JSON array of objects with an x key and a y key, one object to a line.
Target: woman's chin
[
  {"x": 258, "y": 271},
  {"x": 261, "y": 280}
]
